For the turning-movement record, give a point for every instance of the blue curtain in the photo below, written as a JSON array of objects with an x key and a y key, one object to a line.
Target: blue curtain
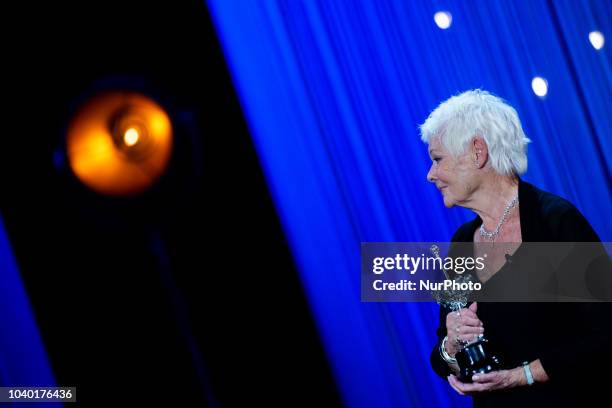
[
  {"x": 333, "y": 92},
  {"x": 23, "y": 359}
]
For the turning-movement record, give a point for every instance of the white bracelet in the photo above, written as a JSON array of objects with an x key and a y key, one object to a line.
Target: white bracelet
[
  {"x": 528, "y": 373},
  {"x": 445, "y": 356}
]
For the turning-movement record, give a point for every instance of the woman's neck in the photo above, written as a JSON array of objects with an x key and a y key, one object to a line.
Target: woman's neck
[{"x": 492, "y": 197}]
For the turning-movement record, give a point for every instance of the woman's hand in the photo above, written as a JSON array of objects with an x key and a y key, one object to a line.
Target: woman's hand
[
  {"x": 495, "y": 380},
  {"x": 462, "y": 326}
]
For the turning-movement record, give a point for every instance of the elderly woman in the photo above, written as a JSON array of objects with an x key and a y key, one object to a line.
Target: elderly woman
[{"x": 550, "y": 351}]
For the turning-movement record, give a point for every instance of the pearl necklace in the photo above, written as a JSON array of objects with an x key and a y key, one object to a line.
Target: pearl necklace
[{"x": 492, "y": 235}]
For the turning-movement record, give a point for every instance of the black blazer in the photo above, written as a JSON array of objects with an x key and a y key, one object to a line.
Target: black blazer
[{"x": 572, "y": 340}]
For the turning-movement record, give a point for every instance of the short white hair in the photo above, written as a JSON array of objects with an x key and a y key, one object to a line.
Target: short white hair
[{"x": 479, "y": 113}]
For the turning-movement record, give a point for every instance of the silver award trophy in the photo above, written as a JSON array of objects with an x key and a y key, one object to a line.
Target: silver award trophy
[{"x": 475, "y": 356}]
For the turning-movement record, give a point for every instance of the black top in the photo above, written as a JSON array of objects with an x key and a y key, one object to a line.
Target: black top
[{"x": 572, "y": 340}]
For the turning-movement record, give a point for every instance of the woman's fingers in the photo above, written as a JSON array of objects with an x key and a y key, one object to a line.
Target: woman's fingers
[
  {"x": 470, "y": 330},
  {"x": 468, "y": 313},
  {"x": 452, "y": 320},
  {"x": 463, "y": 327},
  {"x": 467, "y": 388},
  {"x": 468, "y": 338},
  {"x": 453, "y": 382},
  {"x": 467, "y": 334},
  {"x": 492, "y": 377},
  {"x": 470, "y": 321}
]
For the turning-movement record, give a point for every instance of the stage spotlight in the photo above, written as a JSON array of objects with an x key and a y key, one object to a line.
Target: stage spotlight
[
  {"x": 119, "y": 143},
  {"x": 539, "y": 86},
  {"x": 443, "y": 19},
  {"x": 131, "y": 136},
  {"x": 597, "y": 39}
]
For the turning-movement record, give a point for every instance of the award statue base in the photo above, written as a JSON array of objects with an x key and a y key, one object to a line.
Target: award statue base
[{"x": 476, "y": 358}]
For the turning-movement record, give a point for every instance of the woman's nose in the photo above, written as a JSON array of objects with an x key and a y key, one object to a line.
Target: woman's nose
[{"x": 431, "y": 174}]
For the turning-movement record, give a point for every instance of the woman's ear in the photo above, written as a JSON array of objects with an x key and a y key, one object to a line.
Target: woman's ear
[{"x": 479, "y": 151}]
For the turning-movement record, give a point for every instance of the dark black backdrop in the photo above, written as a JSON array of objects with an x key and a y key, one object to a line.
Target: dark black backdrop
[{"x": 112, "y": 322}]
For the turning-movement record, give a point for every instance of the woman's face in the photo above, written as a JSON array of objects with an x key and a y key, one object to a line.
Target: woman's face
[{"x": 453, "y": 176}]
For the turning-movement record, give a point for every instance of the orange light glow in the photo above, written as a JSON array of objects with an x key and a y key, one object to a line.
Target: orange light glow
[
  {"x": 119, "y": 143},
  {"x": 131, "y": 136}
]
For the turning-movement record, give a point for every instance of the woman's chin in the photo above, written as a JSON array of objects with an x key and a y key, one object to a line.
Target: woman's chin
[{"x": 448, "y": 203}]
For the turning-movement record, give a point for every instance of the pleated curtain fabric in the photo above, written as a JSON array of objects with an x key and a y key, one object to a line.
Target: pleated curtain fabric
[{"x": 333, "y": 92}]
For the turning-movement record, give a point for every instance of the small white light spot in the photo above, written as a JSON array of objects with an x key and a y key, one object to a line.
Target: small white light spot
[
  {"x": 539, "y": 86},
  {"x": 597, "y": 39},
  {"x": 131, "y": 136},
  {"x": 443, "y": 19}
]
